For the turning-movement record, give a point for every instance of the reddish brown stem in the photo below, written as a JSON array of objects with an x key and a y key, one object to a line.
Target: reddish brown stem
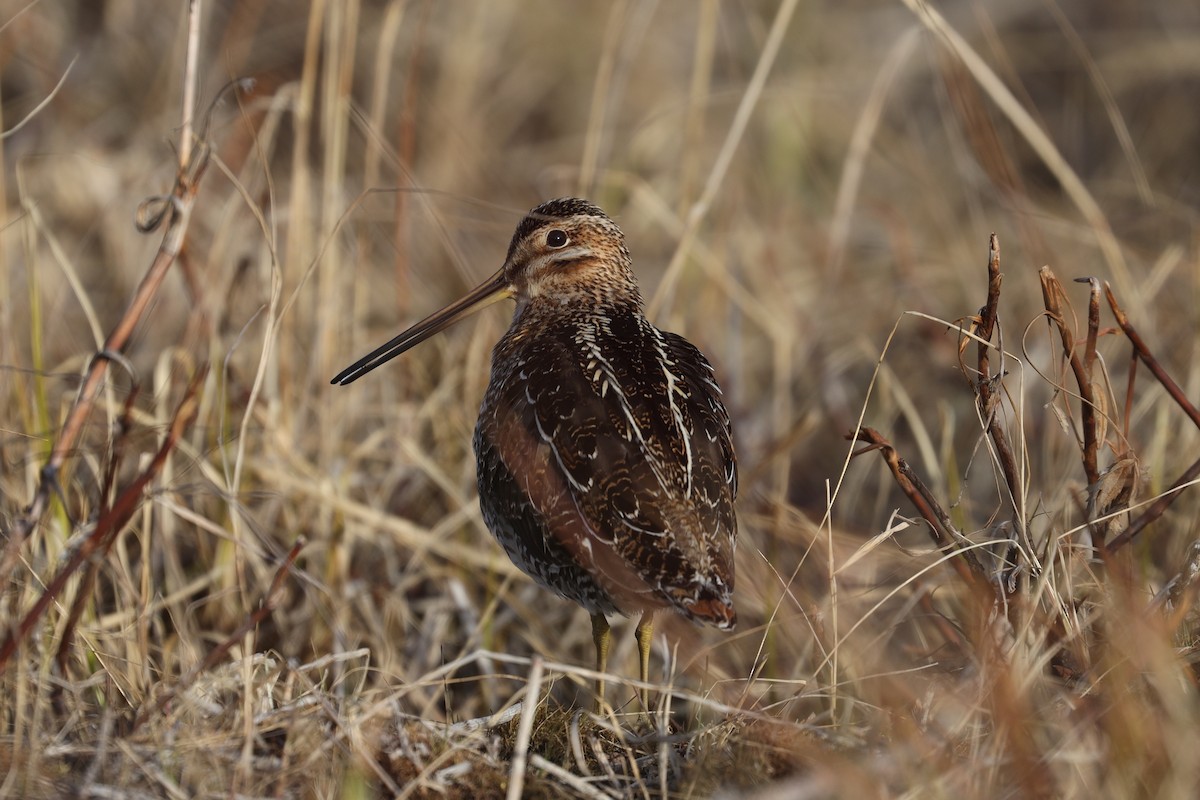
[
  {"x": 1053, "y": 296},
  {"x": 1093, "y": 329},
  {"x": 940, "y": 527},
  {"x": 84, "y": 593},
  {"x": 110, "y": 522},
  {"x": 1129, "y": 384},
  {"x": 1146, "y": 356},
  {"x": 176, "y": 210},
  {"x": 986, "y": 398},
  {"x": 1142, "y": 352}
]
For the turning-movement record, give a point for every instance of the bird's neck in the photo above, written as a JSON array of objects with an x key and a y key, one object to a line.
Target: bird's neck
[
  {"x": 578, "y": 300},
  {"x": 540, "y": 319}
]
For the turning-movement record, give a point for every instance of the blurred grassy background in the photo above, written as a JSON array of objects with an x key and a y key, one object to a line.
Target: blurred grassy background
[{"x": 375, "y": 171}]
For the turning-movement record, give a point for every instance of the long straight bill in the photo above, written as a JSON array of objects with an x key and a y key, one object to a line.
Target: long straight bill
[{"x": 494, "y": 289}]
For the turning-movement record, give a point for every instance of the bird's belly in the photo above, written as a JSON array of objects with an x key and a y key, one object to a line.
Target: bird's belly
[
  {"x": 555, "y": 571},
  {"x": 549, "y": 549}
]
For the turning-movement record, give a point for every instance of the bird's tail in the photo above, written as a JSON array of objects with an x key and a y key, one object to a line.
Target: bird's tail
[{"x": 707, "y": 602}]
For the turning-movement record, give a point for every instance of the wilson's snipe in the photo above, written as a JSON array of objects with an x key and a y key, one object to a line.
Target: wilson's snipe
[{"x": 606, "y": 467}]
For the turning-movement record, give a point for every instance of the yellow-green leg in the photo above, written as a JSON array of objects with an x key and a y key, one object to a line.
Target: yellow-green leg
[
  {"x": 601, "y": 635},
  {"x": 645, "y": 638}
]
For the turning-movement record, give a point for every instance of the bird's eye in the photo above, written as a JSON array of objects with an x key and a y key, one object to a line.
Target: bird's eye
[{"x": 556, "y": 238}]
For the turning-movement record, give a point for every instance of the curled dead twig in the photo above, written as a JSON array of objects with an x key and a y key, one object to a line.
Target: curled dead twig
[
  {"x": 987, "y": 399},
  {"x": 1053, "y": 298},
  {"x": 1110, "y": 489},
  {"x": 965, "y": 562}
]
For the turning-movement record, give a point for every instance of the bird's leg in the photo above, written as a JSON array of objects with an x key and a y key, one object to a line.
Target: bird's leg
[
  {"x": 645, "y": 638},
  {"x": 601, "y": 635}
]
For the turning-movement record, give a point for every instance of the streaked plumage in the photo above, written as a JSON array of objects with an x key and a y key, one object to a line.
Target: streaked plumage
[{"x": 605, "y": 460}]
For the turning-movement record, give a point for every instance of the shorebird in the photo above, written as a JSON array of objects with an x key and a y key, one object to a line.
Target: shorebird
[{"x": 605, "y": 459}]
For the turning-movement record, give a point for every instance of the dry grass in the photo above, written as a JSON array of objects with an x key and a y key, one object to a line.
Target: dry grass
[{"x": 246, "y": 581}]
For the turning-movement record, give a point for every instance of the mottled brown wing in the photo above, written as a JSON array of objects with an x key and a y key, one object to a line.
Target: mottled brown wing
[
  {"x": 529, "y": 509},
  {"x": 635, "y": 423},
  {"x": 712, "y": 435},
  {"x": 542, "y": 441}
]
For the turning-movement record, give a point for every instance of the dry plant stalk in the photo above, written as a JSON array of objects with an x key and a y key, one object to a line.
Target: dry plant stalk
[
  {"x": 110, "y": 523},
  {"x": 84, "y": 593},
  {"x": 175, "y": 210},
  {"x": 986, "y": 399},
  {"x": 1110, "y": 490},
  {"x": 941, "y": 529},
  {"x": 1116, "y": 497},
  {"x": 949, "y": 540},
  {"x": 1053, "y": 297},
  {"x": 1142, "y": 351}
]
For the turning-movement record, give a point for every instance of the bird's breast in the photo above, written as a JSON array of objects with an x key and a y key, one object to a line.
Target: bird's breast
[{"x": 616, "y": 433}]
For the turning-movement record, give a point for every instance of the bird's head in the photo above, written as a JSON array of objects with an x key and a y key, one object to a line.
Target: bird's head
[{"x": 565, "y": 254}]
